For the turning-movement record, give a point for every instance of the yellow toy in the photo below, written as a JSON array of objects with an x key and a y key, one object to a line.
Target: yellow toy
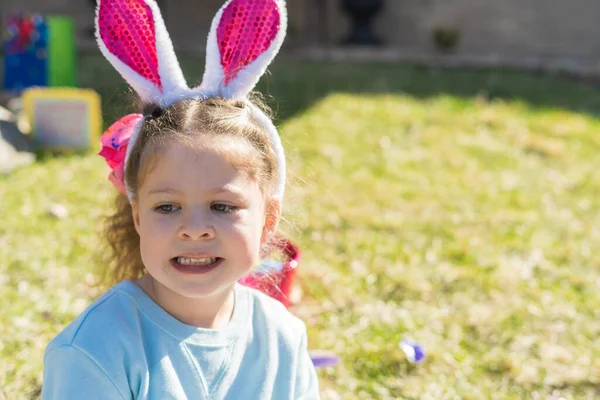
[{"x": 63, "y": 118}]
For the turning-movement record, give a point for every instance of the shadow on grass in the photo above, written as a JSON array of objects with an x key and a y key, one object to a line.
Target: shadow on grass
[{"x": 292, "y": 86}]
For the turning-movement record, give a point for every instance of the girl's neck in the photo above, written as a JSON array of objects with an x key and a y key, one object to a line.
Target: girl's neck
[{"x": 210, "y": 313}]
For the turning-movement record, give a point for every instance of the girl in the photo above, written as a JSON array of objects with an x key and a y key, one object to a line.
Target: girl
[{"x": 202, "y": 173}]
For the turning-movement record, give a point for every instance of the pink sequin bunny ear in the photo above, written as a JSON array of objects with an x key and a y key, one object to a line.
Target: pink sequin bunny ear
[
  {"x": 133, "y": 37},
  {"x": 244, "y": 38}
]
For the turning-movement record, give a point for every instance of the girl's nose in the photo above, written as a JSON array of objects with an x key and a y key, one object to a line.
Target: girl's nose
[{"x": 196, "y": 227}]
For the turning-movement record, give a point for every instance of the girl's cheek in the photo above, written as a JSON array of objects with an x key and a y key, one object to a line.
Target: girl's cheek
[
  {"x": 245, "y": 232},
  {"x": 156, "y": 222},
  {"x": 164, "y": 224}
]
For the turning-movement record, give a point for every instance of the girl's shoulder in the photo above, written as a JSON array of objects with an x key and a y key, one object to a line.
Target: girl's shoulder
[
  {"x": 102, "y": 323},
  {"x": 270, "y": 314}
]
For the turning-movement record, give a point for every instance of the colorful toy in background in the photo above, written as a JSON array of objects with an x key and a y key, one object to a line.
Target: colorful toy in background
[
  {"x": 63, "y": 118},
  {"x": 276, "y": 273},
  {"x": 38, "y": 51},
  {"x": 25, "y": 45},
  {"x": 414, "y": 351},
  {"x": 323, "y": 358}
]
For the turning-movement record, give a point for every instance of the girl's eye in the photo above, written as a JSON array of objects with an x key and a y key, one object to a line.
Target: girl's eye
[
  {"x": 166, "y": 208},
  {"x": 224, "y": 208}
]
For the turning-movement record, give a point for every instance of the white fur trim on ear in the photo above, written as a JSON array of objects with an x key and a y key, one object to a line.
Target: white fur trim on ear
[
  {"x": 213, "y": 72},
  {"x": 147, "y": 91},
  {"x": 248, "y": 77},
  {"x": 132, "y": 140},
  {"x": 184, "y": 94},
  {"x": 169, "y": 71}
]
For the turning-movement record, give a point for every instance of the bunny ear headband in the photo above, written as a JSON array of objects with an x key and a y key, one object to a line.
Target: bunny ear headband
[{"x": 244, "y": 38}]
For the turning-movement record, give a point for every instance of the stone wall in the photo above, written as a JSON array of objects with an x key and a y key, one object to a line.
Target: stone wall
[
  {"x": 507, "y": 29},
  {"x": 511, "y": 29}
]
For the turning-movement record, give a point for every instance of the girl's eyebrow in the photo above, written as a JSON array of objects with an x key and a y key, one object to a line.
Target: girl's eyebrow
[
  {"x": 164, "y": 191},
  {"x": 230, "y": 189}
]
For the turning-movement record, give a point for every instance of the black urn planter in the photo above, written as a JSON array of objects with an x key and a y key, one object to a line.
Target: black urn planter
[{"x": 362, "y": 13}]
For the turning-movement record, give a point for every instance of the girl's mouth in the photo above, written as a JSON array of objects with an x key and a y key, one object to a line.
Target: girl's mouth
[{"x": 188, "y": 265}]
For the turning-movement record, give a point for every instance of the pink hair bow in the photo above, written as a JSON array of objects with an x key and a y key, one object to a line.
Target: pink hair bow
[{"x": 115, "y": 142}]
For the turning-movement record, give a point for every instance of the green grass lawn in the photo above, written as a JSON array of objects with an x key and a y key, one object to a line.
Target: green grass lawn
[{"x": 457, "y": 208}]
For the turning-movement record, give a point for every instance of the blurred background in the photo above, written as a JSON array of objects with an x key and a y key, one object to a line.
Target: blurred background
[
  {"x": 444, "y": 187},
  {"x": 558, "y": 34}
]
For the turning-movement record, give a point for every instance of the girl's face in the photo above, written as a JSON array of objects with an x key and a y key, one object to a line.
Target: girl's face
[{"x": 201, "y": 221}]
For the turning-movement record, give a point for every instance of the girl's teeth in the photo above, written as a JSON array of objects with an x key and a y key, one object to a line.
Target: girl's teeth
[{"x": 195, "y": 261}]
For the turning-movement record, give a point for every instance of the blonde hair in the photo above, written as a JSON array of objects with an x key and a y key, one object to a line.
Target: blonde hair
[{"x": 188, "y": 122}]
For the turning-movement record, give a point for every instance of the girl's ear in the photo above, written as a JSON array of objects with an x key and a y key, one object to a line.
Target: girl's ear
[
  {"x": 272, "y": 217},
  {"x": 135, "y": 213},
  {"x": 133, "y": 37}
]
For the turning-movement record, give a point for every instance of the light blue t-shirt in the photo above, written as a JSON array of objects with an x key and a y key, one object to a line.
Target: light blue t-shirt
[{"x": 125, "y": 346}]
